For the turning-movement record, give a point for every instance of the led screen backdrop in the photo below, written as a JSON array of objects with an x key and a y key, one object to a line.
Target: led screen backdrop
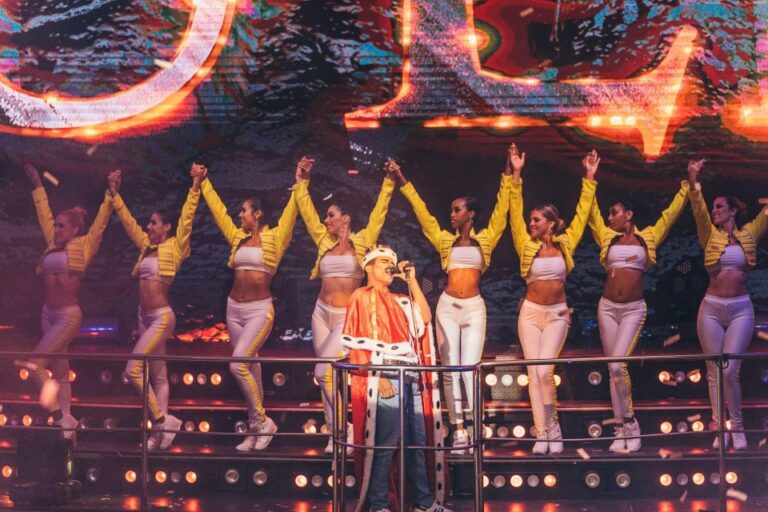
[{"x": 247, "y": 87}]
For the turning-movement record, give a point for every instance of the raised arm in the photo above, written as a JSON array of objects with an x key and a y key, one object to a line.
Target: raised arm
[
  {"x": 198, "y": 173},
  {"x": 759, "y": 225},
  {"x": 698, "y": 205},
  {"x": 379, "y": 213},
  {"x": 429, "y": 225},
  {"x": 596, "y": 222},
  {"x": 415, "y": 288},
  {"x": 219, "y": 211},
  {"x": 40, "y": 198},
  {"x": 315, "y": 227},
  {"x": 575, "y": 229},
  {"x": 286, "y": 223},
  {"x": 132, "y": 228},
  {"x": 92, "y": 239},
  {"x": 520, "y": 235},
  {"x": 669, "y": 216}
]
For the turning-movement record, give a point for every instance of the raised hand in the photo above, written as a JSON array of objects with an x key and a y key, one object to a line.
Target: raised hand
[
  {"x": 394, "y": 171},
  {"x": 515, "y": 160},
  {"x": 33, "y": 175},
  {"x": 694, "y": 169},
  {"x": 198, "y": 172},
  {"x": 304, "y": 169},
  {"x": 590, "y": 163},
  {"x": 114, "y": 179}
]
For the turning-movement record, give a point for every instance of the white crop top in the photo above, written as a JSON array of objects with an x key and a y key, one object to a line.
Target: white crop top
[
  {"x": 149, "y": 269},
  {"x": 251, "y": 258},
  {"x": 548, "y": 268},
  {"x": 55, "y": 262},
  {"x": 733, "y": 258},
  {"x": 340, "y": 265},
  {"x": 626, "y": 256},
  {"x": 465, "y": 257}
]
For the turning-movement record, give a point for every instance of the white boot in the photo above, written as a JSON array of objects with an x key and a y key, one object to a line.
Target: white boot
[
  {"x": 555, "y": 437},
  {"x": 460, "y": 442},
  {"x": 619, "y": 444},
  {"x": 171, "y": 423},
  {"x": 632, "y": 432},
  {"x": 267, "y": 427},
  {"x": 541, "y": 445}
]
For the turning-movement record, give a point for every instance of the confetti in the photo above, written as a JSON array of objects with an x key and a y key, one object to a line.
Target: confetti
[
  {"x": 738, "y": 495},
  {"x": 693, "y": 418},
  {"x": 672, "y": 340},
  {"x": 526, "y": 12},
  {"x": 684, "y": 496},
  {"x": 582, "y": 453},
  {"x": 762, "y": 442},
  {"x": 762, "y": 334},
  {"x": 610, "y": 421},
  {"x": 328, "y": 197},
  {"x": 669, "y": 454},
  {"x": 50, "y": 177},
  {"x": 304, "y": 404},
  {"x": 353, "y": 171},
  {"x": 670, "y": 382},
  {"x": 162, "y": 63},
  {"x": 91, "y": 150}
]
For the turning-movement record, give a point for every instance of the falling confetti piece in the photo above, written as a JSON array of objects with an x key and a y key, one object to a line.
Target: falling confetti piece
[
  {"x": 684, "y": 496},
  {"x": 672, "y": 340},
  {"x": 610, "y": 421},
  {"x": 671, "y": 382},
  {"x": 762, "y": 442},
  {"x": 695, "y": 417},
  {"x": 738, "y": 495},
  {"x": 91, "y": 150},
  {"x": 304, "y": 404},
  {"x": 664, "y": 453},
  {"x": 162, "y": 63},
  {"x": 50, "y": 177},
  {"x": 583, "y": 453},
  {"x": 526, "y": 12},
  {"x": 762, "y": 335},
  {"x": 353, "y": 171},
  {"x": 327, "y": 197}
]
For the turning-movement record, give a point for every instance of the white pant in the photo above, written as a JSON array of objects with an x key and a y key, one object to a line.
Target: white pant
[
  {"x": 460, "y": 341},
  {"x": 542, "y": 331},
  {"x": 59, "y": 326},
  {"x": 327, "y": 323},
  {"x": 620, "y": 325},
  {"x": 249, "y": 325},
  {"x": 725, "y": 325},
  {"x": 155, "y": 327}
]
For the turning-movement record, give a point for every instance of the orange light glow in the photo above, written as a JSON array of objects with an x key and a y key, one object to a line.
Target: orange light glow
[
  {"x": 26, "y": 420},
  {"x": 23, "y": 374},
  {"x": 191, "y": 477},
  {"x": 215, "y": 379},
  {"x": 188, "y": 379},
  {"x": 130, "y": 476},
  {"x": 7, "y": 471}
]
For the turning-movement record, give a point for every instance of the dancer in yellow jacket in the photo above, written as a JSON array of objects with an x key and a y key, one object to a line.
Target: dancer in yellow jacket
[
  {"x": 160, "y": 257},
  {"x": 339, "y": 267},
  {"x": 464, "y": 254},
  {"x": 726, "y": 316},
  {"x": 256, "y": 253},
  {"x": 626, "y": 252},
  {"x": 546, "y": 250},
  {"x": 68, "y": 253}
]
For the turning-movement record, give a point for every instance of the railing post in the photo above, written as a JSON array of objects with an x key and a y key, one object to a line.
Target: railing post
[
  {"x": 336, "y": 462},
  {"x": 401, "y": 399},
  {"x": 144, "y": 437},
  {"x": 721, "y": 362},
  {"x": 477, "y": 434}
]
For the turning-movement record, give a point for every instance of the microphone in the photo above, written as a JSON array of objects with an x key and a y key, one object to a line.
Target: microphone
[{"x": 396, "y": 270}]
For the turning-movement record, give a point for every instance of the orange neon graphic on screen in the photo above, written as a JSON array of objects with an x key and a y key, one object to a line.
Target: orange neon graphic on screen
[
  {"x": 149, "y": 101},
  {"x": 443, "y": 72}
]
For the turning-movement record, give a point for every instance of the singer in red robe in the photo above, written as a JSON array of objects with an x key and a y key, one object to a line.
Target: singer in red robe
[{"x": 383, "y": 328}]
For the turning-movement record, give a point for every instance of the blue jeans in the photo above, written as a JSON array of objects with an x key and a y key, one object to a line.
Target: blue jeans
[{"x": 388, "y": 434}]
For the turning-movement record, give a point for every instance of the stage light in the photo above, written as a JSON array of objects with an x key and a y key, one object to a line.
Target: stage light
[
  {"x": 202, "y": 379},
  {"x": 161, "y": 477},
  {"x": 697, "y": 426},
  {"x": 93, "y": 475},
  {"x": 595, "y": 378},
  {"x": 175, "y": 477},
  {"x": 664, "y": 376},
  {"x": 533, "y": 481},
  {"x": 49, "y": 373},
  {"x": 682, "y": 427},
  {"x": 558, "y": 380},
  {"x": 23, "y": 374},
  {"x": 694, "y": 376},
  {"x": 502, "y": 431},
  {"x": 215, "y": 379},
  {"x": 518, "y": 431},
  {"x": 3, "y": 420},
  {"x": 486, "y": 481},
  {"x": 592, "y": 480},
  {"x": 189, "y": 379},
  {"x": 310, "y": 427},
  {"x": 623, "y": 480},
  {"x": 714, "y": 478},
  {"x": 665, "y": 479},
  {"x": 278, "y": 379},
  {"x": 665, "y": 427},
  {"x": 681, "y": 479},
  {"x": 300, "y": 481},
  {"x": 7, "y": 471},
  {"x": 491, "y": 379},
  {"x": 330, "y": 481},
  {"x": 764, "y": 376},
  {"x": 522, "y": 380},
  {"x": 130, "y": 476},
  {"x": 204, "y": 426},
  {"x": 324, "y": 429},
  {"x": 698, "y": 478},
  {"x": 72, "y": 376},
  {"x": 26, "y": 420},
  {"x": 190, "y": 477},
  {"x": 680, "y": 377},
  {"x": 241, "y": 427},
  {"x": 616, "y": 120},
  {"x": 189, "y": 426},
  {"x": 499, "y": 481},
  {"x": 231, "y": 476},
  {"x": 550, "y": 480},
  {"x": 630, "y": 120},
  {"x": 516, "y": 481},
  {"x": 259, "y": 477},
  {"x": 174, "y": 379},
  {"x": 595, "y": 121},
  {"x": 317, "y": 481},
  {"x": 350, "y": 481},
  {"x": 507, "y": 379},
  {"x": 125, "y": 380},
  {"x": 105, "y": 377},
  {"x": 595, "y": 430},
  {"x": 731, "y": 477}
]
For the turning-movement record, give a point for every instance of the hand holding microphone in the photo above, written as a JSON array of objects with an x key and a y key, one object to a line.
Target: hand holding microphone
[{"x": 404, "y": 270}]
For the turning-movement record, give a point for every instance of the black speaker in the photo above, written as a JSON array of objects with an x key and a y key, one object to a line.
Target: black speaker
[{"x": 43, "y": 456}]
